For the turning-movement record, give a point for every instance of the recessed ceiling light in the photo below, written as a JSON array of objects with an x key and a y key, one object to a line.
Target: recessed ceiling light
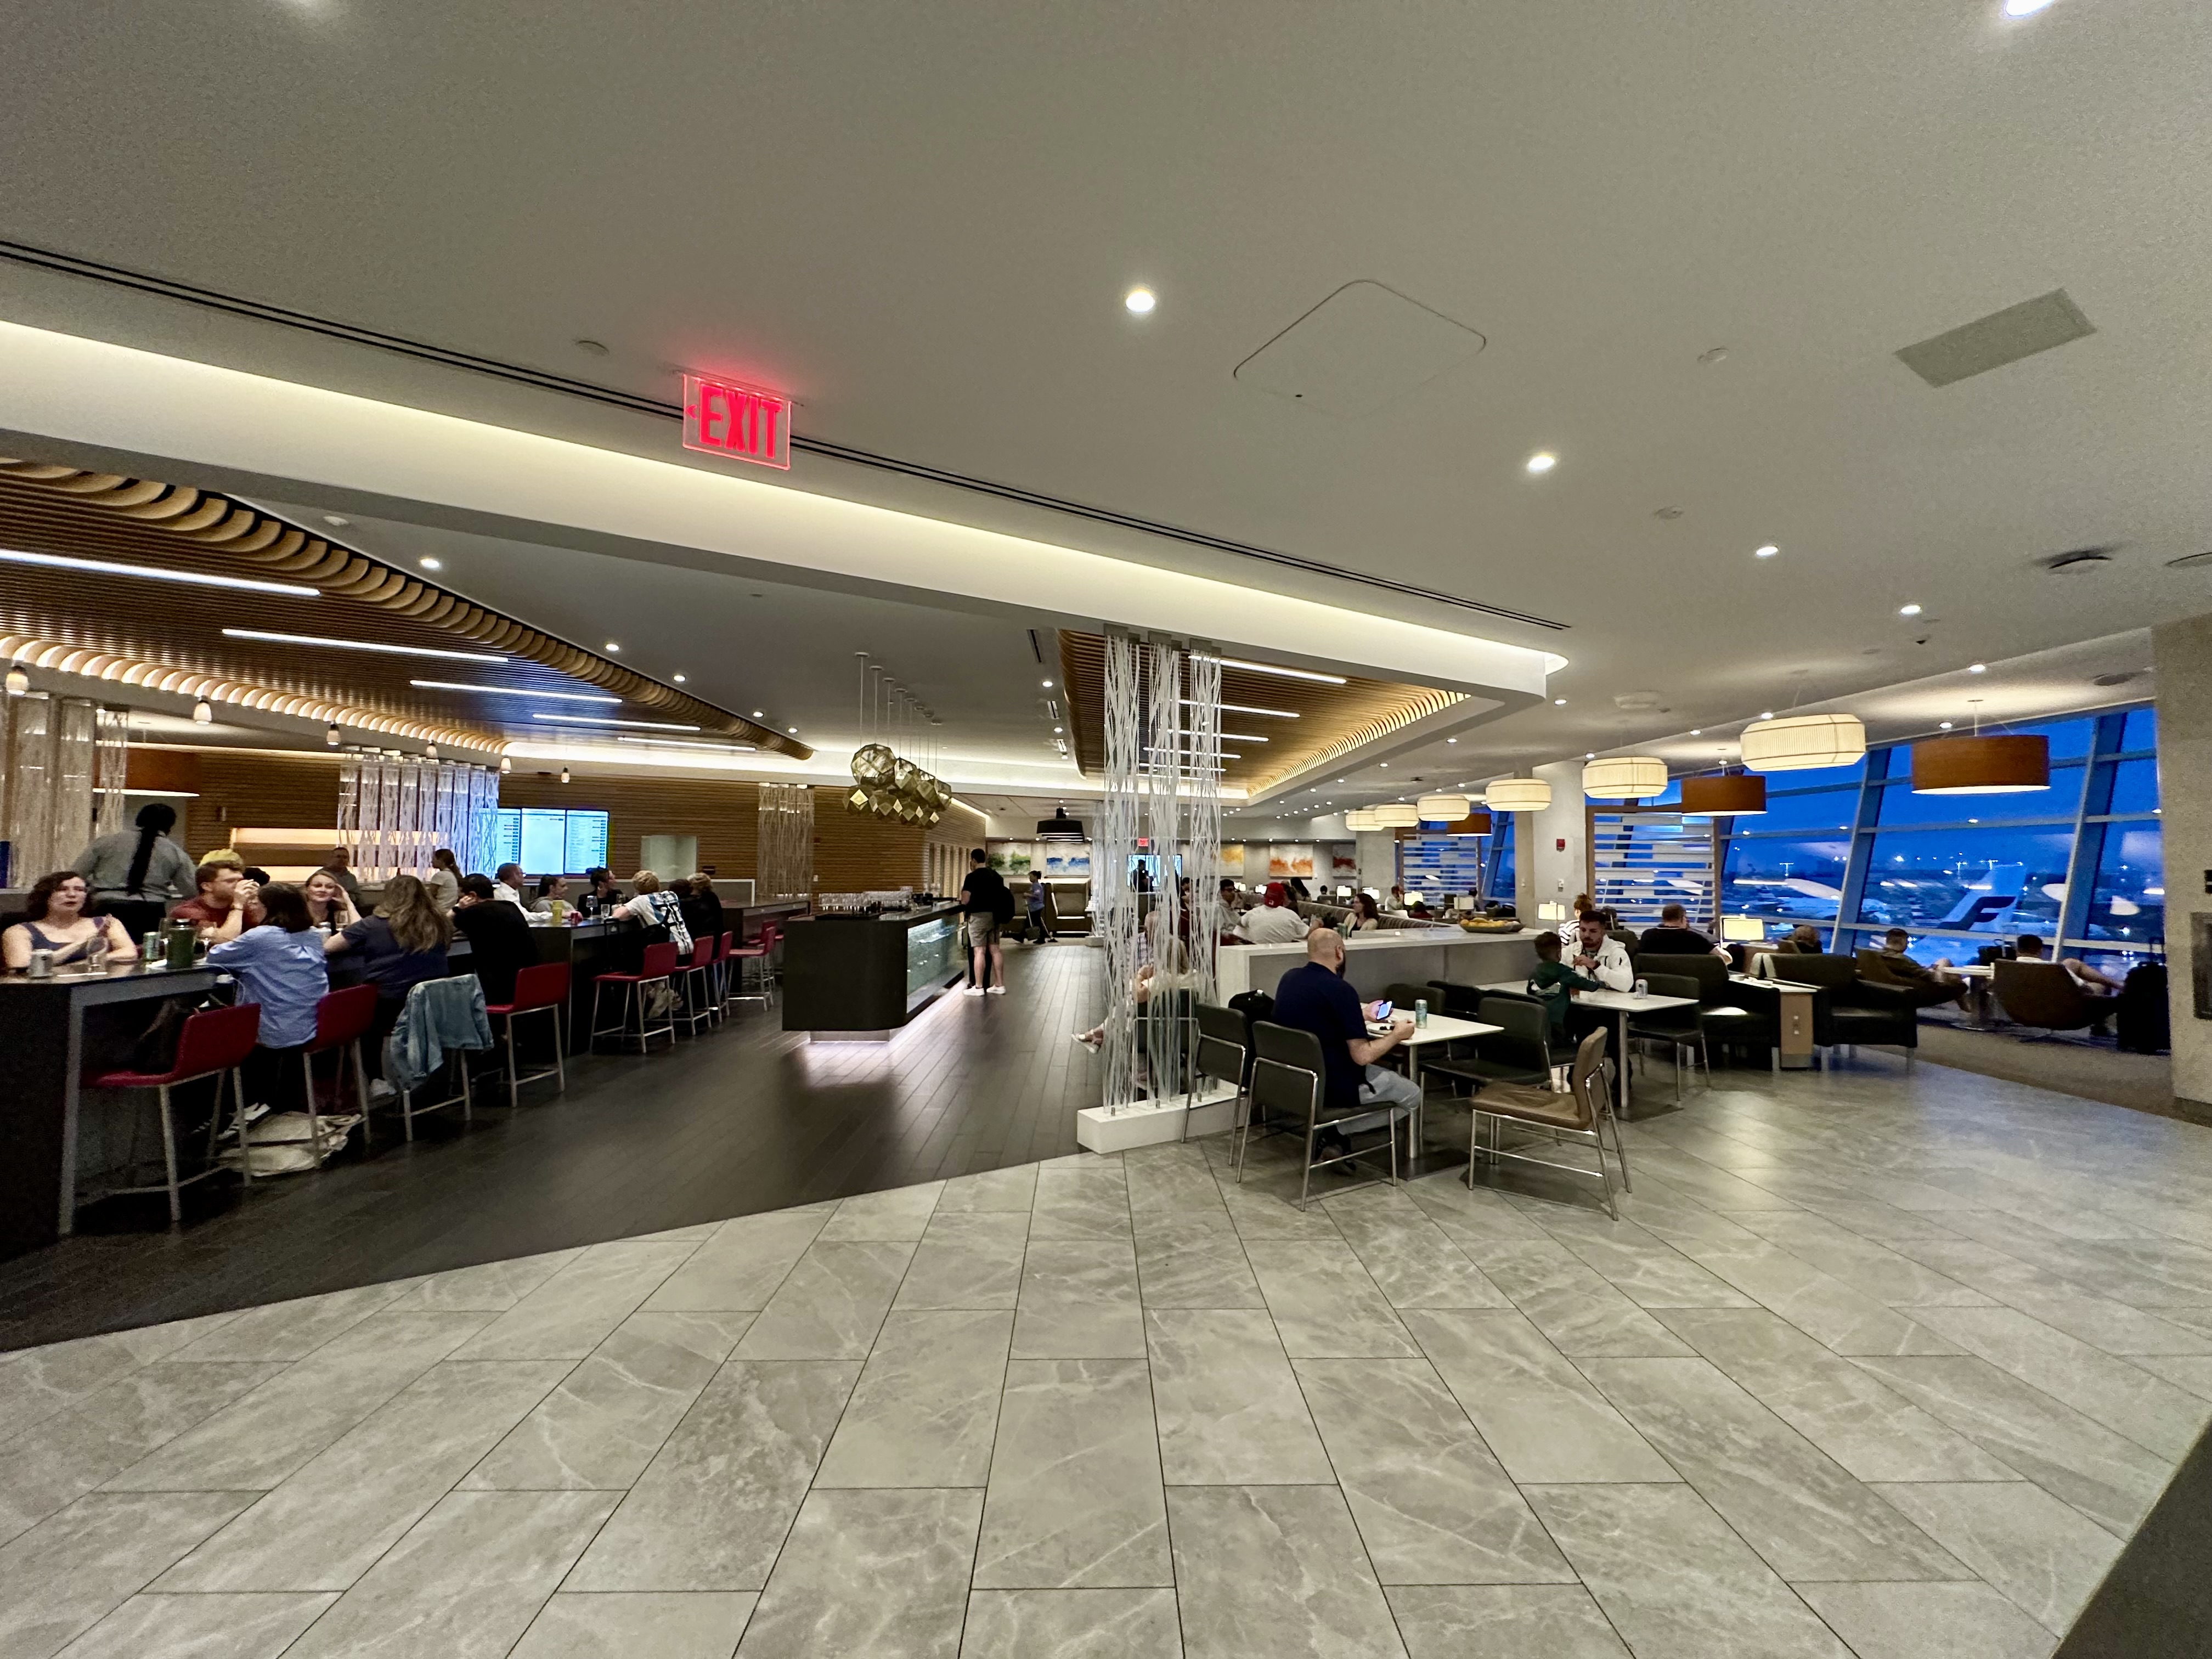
[
  {"x": 679, "y": 679},
  {"x": 429, "y": 563},
  {"x": 1055, "y": 730},
  {"x": 1558, "y": 702},
  {"x": 1451, "y": 739},
  {"x": 1714, "y": 354},
  {"x": 335, "y": 521},
  {"x": 2023, "y": 8},
  {"x": 1139, "y": 301},
  {"x": 612, "y": 646},
  {"x": 760, "y": 715},
  {"x": 1045, "y": 684},
  {"x": 1978, "y": 668},
  {"x": 159, "y": 574},
  {"x": 1697, "y": 731},
  {"x": 1542, "y": 462},
  {"x": 1386, "y": 766},
  {"x": 1908, "y": 610},
  {"x": 1765, "y": 552},
  {"x": 1942, "y": 725},
  {"x": 361, "y": 645},
  {"x": 592, "y": 348},
  {"x": 564, "y": 775},
  {"x": 1591, "y": 755},
  {"x": 792, "y": 729},
  {"x": 511, "y": 691},
  {"x": 1767, "y": 715}
]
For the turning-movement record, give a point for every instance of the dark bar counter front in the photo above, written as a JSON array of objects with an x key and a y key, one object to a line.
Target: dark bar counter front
[{"x": 861, "y": 976}]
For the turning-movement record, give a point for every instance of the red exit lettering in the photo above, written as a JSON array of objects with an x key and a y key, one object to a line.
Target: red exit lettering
[{"x": 746, "y": 422}]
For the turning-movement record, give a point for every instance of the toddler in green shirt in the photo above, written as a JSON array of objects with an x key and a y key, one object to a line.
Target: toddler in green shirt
[{"x": 1551, "y": 979}]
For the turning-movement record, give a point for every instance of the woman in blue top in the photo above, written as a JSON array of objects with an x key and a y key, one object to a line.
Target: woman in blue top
[
  {"x": 279, "y": 965},
  {"x": 401, "y": 945}
]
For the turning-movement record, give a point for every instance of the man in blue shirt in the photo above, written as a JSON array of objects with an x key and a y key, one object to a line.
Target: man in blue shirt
[{"x": 1314, "y": 998}]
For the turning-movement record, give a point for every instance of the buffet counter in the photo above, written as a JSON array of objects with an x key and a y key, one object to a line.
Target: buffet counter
[
  {"x": 1374, "y": 961},
  {"x": 865, "y": 976}
]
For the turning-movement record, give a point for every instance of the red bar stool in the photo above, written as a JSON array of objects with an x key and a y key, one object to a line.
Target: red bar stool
[
  {"x": 543, "y": 989},
  {"x": 210, "y": 1043},
  {"x": 736, "y": 955},
  {"x": 341, "y": 1020},
  {"x": 695, "y": 971},
  {"x": 658, "y": 967}
]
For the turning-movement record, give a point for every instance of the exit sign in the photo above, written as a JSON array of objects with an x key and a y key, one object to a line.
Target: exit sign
[{"x": 745, "y": 422}]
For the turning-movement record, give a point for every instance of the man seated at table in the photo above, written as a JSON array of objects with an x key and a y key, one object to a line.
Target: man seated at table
[
  {"x": 1601, "y": 955},
  {"x": 501, "y": 944},
  {"x": 1675, "y": 937},
  {"x": 224, "y": 907},
  {"x": 1274, "y": 920},
  {"x": 1315, "y": 998},
  {"x": 1929, "y": 985}
]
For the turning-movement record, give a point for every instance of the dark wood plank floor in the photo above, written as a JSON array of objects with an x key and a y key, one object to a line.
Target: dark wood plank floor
[{"x": 746, "y": 1119}]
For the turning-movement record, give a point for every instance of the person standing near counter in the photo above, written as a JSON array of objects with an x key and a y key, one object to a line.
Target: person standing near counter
[
  {"x": 984, "y": 903},
  {"x": 444, "y": 881},
  {"x": 135, "y": 875}
]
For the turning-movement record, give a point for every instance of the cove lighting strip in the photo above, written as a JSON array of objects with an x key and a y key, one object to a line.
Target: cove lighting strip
[
  {"x": 361, "y": 645},
  {"x": 678, "y": 743},
  {"x": 1282, "y": 673},
  {"x": 155, "y": 573},
  {"x": 510, "y": 691},
  {"x": 595, "y": 719},
  {"x": 1246, "y": 708}
]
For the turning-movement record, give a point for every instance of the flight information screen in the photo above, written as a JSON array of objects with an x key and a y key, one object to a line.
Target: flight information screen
[{"x": 552, "y": 841}]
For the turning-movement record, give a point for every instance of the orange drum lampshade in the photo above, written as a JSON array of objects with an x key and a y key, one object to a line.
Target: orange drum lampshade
[
  {"x": 1731, "y": 794},
  {"x": 1985, "y": 765}
]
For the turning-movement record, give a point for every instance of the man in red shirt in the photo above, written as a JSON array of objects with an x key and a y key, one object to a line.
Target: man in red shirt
[{"x": 225, "y": 905}]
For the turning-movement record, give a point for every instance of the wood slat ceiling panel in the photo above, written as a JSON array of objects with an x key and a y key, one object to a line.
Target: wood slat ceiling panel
[
  {"x": 1328, "y": 715},
  {"x": 57, "y": 511}
]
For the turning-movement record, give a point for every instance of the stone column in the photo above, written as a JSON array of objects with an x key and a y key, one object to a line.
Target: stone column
[
  {"x": 1544, "y": 873},
  {"x": 2182, "y": 652}
]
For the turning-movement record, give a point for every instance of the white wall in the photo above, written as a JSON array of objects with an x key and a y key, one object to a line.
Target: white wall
[
  {"x": 2183, "y": 652},
  {"x": 1544, "y": 873}
]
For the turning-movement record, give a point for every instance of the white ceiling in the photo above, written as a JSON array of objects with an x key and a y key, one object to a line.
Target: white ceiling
[{"x": 920, "y": 220}]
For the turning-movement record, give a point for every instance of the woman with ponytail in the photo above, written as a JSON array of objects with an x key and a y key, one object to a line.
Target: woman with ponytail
[{"x": 135, "y": 875}]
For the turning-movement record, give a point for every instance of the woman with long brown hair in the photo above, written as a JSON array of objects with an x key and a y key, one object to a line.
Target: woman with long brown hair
[
  {"x": 54, "y": 920},
  {"x": 401, "y": 945}
]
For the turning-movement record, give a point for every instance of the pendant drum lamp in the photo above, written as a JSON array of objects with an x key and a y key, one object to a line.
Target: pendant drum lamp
[
  {"x": 1517, "y": 795},
  {"x": 1396, "y": 815},
  {"x": 1979, "y": 765},
  {"x": 1442, "y": 808},
  {"x": 1360, "y": 818},
  {"x": 1732, "y": 794},
  {"x": 1623, "y": 777},
  {"x": 1800, "y": 743}
]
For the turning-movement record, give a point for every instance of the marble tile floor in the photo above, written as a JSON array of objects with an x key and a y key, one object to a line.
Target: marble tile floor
[{"x": 1870, "y": 1366}]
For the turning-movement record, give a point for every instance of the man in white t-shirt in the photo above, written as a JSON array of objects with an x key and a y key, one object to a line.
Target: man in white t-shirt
[
  {"x": 1275, "y": 919},
  {"x": 1601, "y": 956}
]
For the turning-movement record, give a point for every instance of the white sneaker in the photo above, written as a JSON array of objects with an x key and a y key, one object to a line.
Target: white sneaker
[
  {"x": 380, "y": 1089},
  {"x": 972, "y": 991},
  {"x": 997, "y": 990}
]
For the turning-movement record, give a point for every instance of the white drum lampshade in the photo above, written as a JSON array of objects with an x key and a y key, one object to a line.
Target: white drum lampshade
[
  {"x": 1800, "y": 743},
  {"x": 1625, "y": 777},
  {"x": 1360, "y": 818},
  {"x": 1442, "y": 809},
  {"x": 1397, "y": 814},
  {"x": 1518, "y": 795}
]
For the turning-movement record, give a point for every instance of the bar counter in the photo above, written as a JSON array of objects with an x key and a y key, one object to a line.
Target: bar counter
[{"x": 863, "y": 978}]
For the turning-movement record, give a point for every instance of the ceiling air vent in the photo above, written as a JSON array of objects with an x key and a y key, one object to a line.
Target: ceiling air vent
[
  {"x": 2082, "y": 561},
  {"x": 2190, "y": 562},
  {"x": 2002, "y": 336}
]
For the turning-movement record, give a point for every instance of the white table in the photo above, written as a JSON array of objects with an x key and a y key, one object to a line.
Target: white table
[
  {"x": 1622, "y": 1005},
  {"x": 1441, "y": 1028}
]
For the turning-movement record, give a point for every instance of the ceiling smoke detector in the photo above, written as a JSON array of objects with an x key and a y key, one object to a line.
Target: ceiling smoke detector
[{"x": 2081, "y": 560}]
